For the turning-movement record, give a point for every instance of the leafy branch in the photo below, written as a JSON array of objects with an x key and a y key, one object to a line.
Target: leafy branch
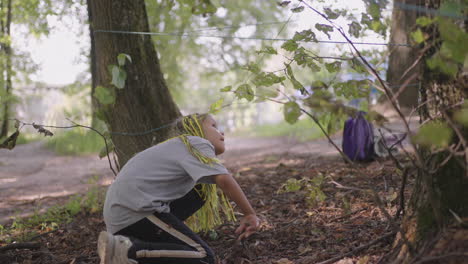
[{"x": 10, "y": 142}]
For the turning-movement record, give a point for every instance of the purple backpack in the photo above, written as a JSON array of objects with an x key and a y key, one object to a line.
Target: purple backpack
[{"x": 358, "y": 138}]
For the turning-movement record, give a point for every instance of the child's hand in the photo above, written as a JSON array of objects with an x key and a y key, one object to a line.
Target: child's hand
[{"x": 248, "y": 225}]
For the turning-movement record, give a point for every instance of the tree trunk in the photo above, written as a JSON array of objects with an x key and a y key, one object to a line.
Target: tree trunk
[
  {"x": 400, "y": 64},
  {"x": 439, "y": 201},
  {"x": 8, "y": 73},
  {"x": 92, "y": 63},
  {"x": 145, "y": 102}
]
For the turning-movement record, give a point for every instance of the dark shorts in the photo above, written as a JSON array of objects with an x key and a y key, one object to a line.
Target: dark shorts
[{"x": 164, "y": 238}]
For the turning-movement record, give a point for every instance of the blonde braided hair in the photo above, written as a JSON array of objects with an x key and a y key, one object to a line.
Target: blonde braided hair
[{"x": 209, "y": 215}]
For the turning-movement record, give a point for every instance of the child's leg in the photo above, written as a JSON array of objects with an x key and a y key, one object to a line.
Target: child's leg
[
  {"x": 164, "y": 239},
  {"x": 186, "y": 206}
]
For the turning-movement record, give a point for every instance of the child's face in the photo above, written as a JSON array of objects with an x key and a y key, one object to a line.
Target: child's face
[{"x": 212, "y": 134}]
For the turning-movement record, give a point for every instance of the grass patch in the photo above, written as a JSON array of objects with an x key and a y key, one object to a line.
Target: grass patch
[
  {"x": 303, "y": 130},
  {"x": 76, "y": 141},
  {"x": 24, "y": 229}
]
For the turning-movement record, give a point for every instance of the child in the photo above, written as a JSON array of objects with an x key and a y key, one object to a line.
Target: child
[{"x": 156, "y": 191}]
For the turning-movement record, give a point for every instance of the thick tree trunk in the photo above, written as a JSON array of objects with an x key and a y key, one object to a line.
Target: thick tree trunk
[
  {"x": 8, "y": 72},
  {"x": 92, "y": 63},
  {"x": 431, "y": 225},
  {"x": 145, "y": 102}
]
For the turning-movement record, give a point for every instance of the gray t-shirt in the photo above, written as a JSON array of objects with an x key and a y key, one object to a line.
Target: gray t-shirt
[{"x": 153, "y": 178}]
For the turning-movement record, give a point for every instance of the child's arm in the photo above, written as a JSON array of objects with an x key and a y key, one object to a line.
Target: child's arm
[{"x": 249, "y": 223}]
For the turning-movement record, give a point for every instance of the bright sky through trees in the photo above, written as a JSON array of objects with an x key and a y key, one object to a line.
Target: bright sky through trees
[{"x": 58, "y": 55}]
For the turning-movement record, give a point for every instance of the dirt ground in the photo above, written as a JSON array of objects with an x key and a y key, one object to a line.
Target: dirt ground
[{"x": 294, "y": 230}]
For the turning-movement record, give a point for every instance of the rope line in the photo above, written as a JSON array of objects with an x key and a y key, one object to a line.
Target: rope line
[{"x": 242, "y": 38}]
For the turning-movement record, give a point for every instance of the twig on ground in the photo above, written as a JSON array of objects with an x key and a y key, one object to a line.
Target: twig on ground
[
  {"x": 24, "y": 245},
  {"x": 375, "y": 241},
  {"x": 348, "y": 214}
]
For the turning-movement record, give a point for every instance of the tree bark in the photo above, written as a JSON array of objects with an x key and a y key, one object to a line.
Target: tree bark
[
  {"x": 145, "y": 102},
  {"x": 402, "y": 58},
  {"x": 439, "y": 195},
  {"x": 8, "y": 73},
  {"x": 92, "y": 63}
]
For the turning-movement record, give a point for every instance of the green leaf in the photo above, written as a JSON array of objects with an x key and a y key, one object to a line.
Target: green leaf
[
  {"x": 434, "y": 134},
  {"x": 291, "y": 112},
  {"x": 451, "y": 8},
  {"x": 216, "y": 106},
  {"x": 266, "y": 92},
  {"x": 333, "y": 67},
  {"x": 267, "y": 79},
  {"x": 104, "y": 95},
  {"x": 226, "y": 89},
  {"x": 305, "y": 35},
  {"x": 252, "y": 67},
  {"x": 268, "y": 50},
  {"x": 245, "y": 91},
  {"x": 118, "y": 77},
  {"x": 461, "y": 115},
  {"x": 289, "y": 45},
  {"x": 374, "y": 10},
  {"x": 418, "y": 36},
  {"x": 358, "y": 66},
  {"x": 103, "y": 152},
  {"x": 447, "y": 67},
  {"x": 331, "y": 14},
  {"x": 296, "y": 84},
  {"x": 297, "y": 9},
  {"x": 354, "y": 29},
  {"x": 424, "y": 21},
  {"x": 325, "y": 29},
  {"x": 122, "y": 57}
]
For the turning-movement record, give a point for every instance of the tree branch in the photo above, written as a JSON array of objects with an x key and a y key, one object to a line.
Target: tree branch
[{"x": 354, "y": 251}]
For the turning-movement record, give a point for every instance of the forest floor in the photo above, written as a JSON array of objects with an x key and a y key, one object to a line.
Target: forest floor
[{"x": 297, "y": 226}]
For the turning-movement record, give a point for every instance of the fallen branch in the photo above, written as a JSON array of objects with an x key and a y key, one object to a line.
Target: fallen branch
[
  {"x": 352, "y": 252},
  {"x": 24, "y": 245}
]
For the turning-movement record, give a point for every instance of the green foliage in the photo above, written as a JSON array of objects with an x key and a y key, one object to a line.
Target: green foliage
[
  {"x": 119, "y": 76},
  {"x": 303, "y": 130},
  {"x": 104, "y": 95},
  {"x": 23, "y": 229},
  {"x": 434, "y": 133},
  {"x": 418, "y": 36},
  {"x": 355, "y": 29},
  {"x": 296, "y": 84},
  {"x": 216, "y": 106},
  {"x": 331, "y": 14},
  {"x": 291, "y": 112},
  {"x": 268, "y": 50},
  {"x": 221, "y": 60},
  {"x": 312, "y": 188},
  {"x": 290, "y": 45},
  {"x": 461, "y": 115},
  {"x": 353, "y": 89},
  {"x": 424, "y": 21},
  {"x": 244, "y": 91},
  {"x": 305, "y": 35},
  {"x": 325, "y": 29},
  {"x": 267, "y": 79},
  {"x": 297, "y": 9},
  {"x": 76, "y": 141},
  {"x": 122, "y": 58},
  {"x": 226, "y": 89}
]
